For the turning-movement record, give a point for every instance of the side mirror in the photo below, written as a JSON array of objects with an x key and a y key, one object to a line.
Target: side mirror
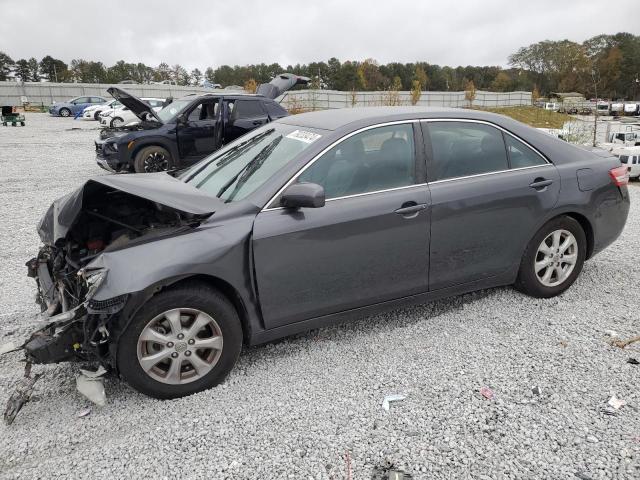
[
  {"x": 182, "y": 119},
  {"x": 303, "y": 195}
]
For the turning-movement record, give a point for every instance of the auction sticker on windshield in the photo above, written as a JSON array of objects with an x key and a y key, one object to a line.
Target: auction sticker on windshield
[{"x": 304, "y": 136}]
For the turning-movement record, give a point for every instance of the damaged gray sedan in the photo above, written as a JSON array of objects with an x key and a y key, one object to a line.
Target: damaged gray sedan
[{"x": 307, "y": 221}]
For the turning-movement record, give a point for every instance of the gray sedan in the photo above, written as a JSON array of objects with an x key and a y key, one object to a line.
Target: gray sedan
[{"x": 310, "y": 220}]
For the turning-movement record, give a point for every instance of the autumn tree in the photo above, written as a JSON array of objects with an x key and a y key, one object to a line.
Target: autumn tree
[
  {"x": 470, "y": 92},
  {"x": 501, "y": 83},
  {"x": 250, "y": 86},
  {"x": 416, "y": 92}
]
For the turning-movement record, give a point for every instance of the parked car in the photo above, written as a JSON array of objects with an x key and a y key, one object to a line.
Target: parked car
[
  {"x": 74, "y": 106},
  {"x": 307, "y": 221},
  {"x": 93, "y": 112},
  {"x": 189, "y": 128},
  {"x": 120, "y": 116}
]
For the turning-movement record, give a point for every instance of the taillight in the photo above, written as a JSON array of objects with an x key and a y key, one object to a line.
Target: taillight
[{"x": 619, "y": 175}]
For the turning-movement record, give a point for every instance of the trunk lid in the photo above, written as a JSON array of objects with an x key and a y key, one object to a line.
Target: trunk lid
[{"x": 280, "y": 84}]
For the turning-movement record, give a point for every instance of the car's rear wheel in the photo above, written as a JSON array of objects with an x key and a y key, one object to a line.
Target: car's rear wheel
[
  {"x": 152, "y": 159},
  {"x": 116, "y": 122},
  {"x": 64, "y": 112},
  {"x": 553, "y": 259},
  {"x": 183, "y": 341}
]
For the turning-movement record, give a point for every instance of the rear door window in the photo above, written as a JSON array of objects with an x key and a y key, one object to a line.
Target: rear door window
[{"x": 461, "y": 149}]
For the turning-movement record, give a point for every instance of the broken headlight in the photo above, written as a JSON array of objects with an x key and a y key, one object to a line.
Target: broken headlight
[{"x": 93, "y": 279}]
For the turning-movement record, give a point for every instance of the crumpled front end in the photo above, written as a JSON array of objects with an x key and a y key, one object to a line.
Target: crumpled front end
[
  {"x": 75, "y": 329},
  {"x": 79, "y": 231}
]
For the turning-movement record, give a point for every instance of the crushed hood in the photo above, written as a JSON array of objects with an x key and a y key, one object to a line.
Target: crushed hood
[
  {"x": 159, "y": 187},
  {"x": 138, "y": 107},
  {"x": 280, "y": 84}
]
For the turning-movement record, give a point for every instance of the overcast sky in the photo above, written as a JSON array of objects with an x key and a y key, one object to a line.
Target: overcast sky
[{"x": 198, "y": 33}]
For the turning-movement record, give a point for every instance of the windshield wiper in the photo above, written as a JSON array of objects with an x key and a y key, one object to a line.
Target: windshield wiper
[
  {"x": 249, "y": 169},
  {"x": 229, "y": 156}
]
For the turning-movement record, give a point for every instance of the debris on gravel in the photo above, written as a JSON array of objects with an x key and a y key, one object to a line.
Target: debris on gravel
[{"x": 291, "y": 409}]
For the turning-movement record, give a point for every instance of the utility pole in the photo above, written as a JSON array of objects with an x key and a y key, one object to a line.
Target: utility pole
[{"x": 595, "y": 111}]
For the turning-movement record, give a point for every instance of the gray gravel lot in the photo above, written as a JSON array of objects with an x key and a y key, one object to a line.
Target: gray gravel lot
[{"x": 295, "y": 408}]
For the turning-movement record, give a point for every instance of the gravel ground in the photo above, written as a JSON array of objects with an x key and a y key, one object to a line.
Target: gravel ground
[{"x": 300, "y": 407}]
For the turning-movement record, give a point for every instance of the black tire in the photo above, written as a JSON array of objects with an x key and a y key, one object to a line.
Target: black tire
[
  {"x": 64, "y": 112},
  {"x": 528, "y": 282},
  {"x": 152, "y": 159},
  {"x": 190, "y": 295},
  {"x": 96, "y": 116},
  {"x": 116, "y": 122},
  {"x": 22, "y": 123}
]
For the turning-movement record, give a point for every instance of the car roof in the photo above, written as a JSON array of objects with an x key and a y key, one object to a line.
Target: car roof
[
  {"x": 237, "y": 95},
  {"x": 338, "y": 118}
]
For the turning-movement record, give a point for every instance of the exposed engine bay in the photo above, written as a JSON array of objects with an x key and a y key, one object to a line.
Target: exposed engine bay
[{"x": 111, "y": 132}]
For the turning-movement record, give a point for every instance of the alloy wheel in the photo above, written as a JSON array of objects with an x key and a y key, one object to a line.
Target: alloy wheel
[
  {"x": 180, "y": 346},
  {"x": 156, "y": 162},
  {"x": 556, "y": 258}
]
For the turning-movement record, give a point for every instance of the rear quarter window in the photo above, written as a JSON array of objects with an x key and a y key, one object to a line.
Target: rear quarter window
[
  {"x": 248, "y": 109},
  {"x": 274, "y": 110}
]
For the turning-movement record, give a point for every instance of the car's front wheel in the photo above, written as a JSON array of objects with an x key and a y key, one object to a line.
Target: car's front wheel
[
  {"x": 183, "y": 341},
  {"x": 96, "y": 116},
  {"x": 152, "y": 159},
  {"x": 116, "y": 122},
  {"x": 553, "y": 259},
  {"x": 64, "y": 112}
]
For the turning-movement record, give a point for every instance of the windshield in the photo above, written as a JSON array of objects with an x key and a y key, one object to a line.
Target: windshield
[
  {"x": 624, "y": 158},
  {"x": 173, "y": 109},
  {"x": 244, "y": 165}
]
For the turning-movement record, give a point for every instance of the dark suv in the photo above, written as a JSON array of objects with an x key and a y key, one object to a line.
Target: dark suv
[{"x": 187, "y": 129}]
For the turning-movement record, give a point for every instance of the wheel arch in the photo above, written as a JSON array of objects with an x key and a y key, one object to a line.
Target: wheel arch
[
  {"x": 586, "y": 227},
  {"x": 228, "y": 290}
]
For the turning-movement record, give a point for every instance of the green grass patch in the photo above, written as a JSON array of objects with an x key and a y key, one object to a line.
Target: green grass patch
[{"x": 534, "y": 116}]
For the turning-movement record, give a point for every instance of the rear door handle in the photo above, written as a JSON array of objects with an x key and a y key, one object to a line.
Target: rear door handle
[
  {"x": 411, "y": 207},
  {"x": 540, "y": 183}
]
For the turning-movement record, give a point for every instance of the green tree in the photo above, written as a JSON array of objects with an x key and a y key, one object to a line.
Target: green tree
[
  {"x": 34, "y": 73},
  {"x": 6, "y": 65},
  {"x": 22, "y": 69},
  {"x": 54, "y": 70},
  {"x": 196, "y": 76}
]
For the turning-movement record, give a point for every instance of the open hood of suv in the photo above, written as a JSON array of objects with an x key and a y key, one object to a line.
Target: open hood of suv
[
  {"x": 158, "y": 188},
  {"x": 138, "y": 107},
  {"x": 280, "y": 84}
]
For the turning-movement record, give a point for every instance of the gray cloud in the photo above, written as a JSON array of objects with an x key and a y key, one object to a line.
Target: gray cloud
[{"x": 210, "y": 33}]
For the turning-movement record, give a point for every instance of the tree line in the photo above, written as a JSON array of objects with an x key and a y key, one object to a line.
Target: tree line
[{"x": 603, "y": 66}]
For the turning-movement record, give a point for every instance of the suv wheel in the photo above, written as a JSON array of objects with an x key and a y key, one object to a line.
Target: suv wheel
[
  {"x": 183, "y": 341},
  {"x": 96, "y": 116},
  {"x": 64, "y": 112},
  {"x": 553, "y": 259},
  {"x": 152, "y": 159}
]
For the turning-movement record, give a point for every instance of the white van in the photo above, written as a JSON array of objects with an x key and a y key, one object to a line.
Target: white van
[{"x": 630, "y": 157}]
